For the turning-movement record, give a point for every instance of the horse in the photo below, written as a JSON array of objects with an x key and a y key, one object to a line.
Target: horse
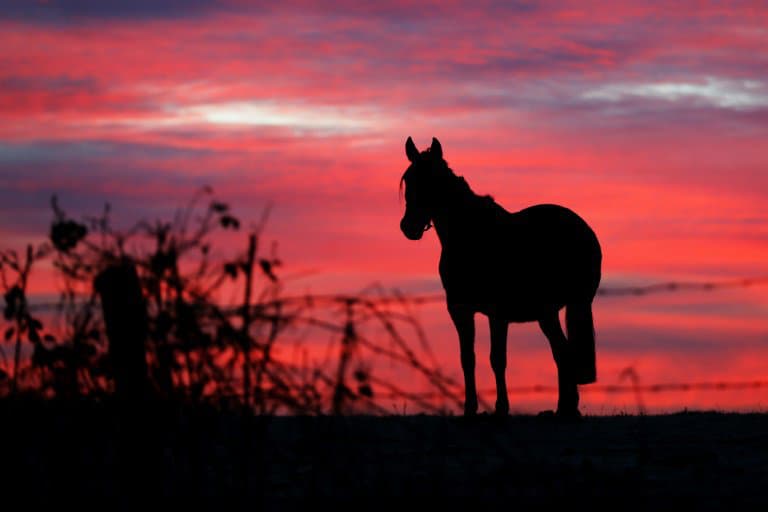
[{"x": 511, "y": 267}]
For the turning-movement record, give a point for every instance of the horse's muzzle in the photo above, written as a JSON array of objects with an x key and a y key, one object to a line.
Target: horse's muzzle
[{"x": 411, "y": 230}]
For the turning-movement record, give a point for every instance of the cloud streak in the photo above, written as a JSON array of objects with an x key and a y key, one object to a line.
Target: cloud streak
[{"x": 714, "y": 92}]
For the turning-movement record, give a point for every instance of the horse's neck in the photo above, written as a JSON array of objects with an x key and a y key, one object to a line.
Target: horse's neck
[{"x": 460, "y": 212}]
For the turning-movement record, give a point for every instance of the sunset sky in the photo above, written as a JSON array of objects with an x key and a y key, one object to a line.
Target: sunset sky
[{"x": 652, "y": 123}]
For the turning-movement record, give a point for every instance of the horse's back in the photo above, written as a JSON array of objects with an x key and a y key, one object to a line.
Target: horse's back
[
  {"x": 553, "y": 227},
  {"x": 536, "y": 259},
  {"x": 556, "y": 246}
]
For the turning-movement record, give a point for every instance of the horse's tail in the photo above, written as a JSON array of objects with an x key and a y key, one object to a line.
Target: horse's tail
[{"x": 581, "y": 341}]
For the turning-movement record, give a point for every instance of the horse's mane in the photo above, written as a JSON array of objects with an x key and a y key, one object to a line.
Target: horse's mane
[
  {"x": 461, "y": 185},
  {"x": 464, "y": 186}
]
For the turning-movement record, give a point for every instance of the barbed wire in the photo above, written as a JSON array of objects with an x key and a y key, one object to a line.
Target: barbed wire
[
  {"x": 681, "y": 286},
  {"x": 379, "y": 302},
  {"x": 617, "y": 388},
  {"x": 397, "y": 298}
]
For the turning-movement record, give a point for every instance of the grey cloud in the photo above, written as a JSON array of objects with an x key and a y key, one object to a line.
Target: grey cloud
[{"x": 56, "y": 11}]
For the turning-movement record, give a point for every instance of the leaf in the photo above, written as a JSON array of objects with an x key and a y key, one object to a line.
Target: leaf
[
  {"x": 14, "y": 301},
  {"x": 365, "y": 390},
  {"x": 49, "y": 338},
  {"x": 231, "y": 270},
  {"x": 228, "y": 221},
  {"x": 266, "y": 267},
  {"x": 9, "y": 333},
  {"x": 66, "y": 234},
  {"x": 35, "y": 323},
  {"x": 219, "y": 207},
  {"x": 34, "y": 336}
]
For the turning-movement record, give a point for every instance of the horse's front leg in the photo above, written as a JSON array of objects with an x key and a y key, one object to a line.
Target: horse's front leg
[
  {"x": 464, "y": 320},
  {"x": 498, "y": 327}
]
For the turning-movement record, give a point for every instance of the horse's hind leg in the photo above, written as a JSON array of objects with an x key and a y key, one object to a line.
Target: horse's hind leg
[
  {"x": 498, "y": 328},
  {"x": 464, "y": 321},
  {"x": 568, "y": 394}
]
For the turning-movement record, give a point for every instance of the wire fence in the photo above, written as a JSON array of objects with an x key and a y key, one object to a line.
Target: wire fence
[
  {"x": 388, "y": 390},
  {"x": 421, "y": 299},
  {"x": 620, "y": 388}
]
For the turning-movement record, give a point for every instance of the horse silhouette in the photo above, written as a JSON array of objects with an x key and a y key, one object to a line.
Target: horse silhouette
[{"x": 512, "y": 267}]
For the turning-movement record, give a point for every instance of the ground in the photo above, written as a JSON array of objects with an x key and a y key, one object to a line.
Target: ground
[{"x": 701, "y": 460}]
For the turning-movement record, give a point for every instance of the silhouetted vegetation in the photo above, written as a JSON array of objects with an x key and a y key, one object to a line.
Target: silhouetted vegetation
[{"x": 200, "y": 345}]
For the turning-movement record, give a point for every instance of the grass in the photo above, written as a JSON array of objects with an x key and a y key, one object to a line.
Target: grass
[{"x": 82, "y": 450}]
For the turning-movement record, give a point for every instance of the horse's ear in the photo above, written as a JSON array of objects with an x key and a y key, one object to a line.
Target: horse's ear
[
  {"x": 436, "y": 150},
  {"x": 410, "y": 150}
]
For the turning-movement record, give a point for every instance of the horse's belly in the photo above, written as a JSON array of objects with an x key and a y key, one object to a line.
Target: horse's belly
[
  {"x": 518, "y": 301},
  {"x": 515, "y": 307}
]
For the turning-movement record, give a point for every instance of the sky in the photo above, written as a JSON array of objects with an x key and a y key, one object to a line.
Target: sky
[{"x": 650, "y": 121}]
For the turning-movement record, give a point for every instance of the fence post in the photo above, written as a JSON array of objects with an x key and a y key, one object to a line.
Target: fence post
[{"x": 125, "y": 317}]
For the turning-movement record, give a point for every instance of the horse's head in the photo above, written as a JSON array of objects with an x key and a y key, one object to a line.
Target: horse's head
[{"x": 421, "y": 181}]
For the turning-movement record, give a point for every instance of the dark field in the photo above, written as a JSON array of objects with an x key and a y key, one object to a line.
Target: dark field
[{"x": 56, "y": 453}]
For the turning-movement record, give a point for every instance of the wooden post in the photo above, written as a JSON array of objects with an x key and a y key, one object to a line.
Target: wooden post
[
  {"x": 127, "y": 325},
  {"x": 125, "y": 317},
  {"x": 341, "y": 392}
]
